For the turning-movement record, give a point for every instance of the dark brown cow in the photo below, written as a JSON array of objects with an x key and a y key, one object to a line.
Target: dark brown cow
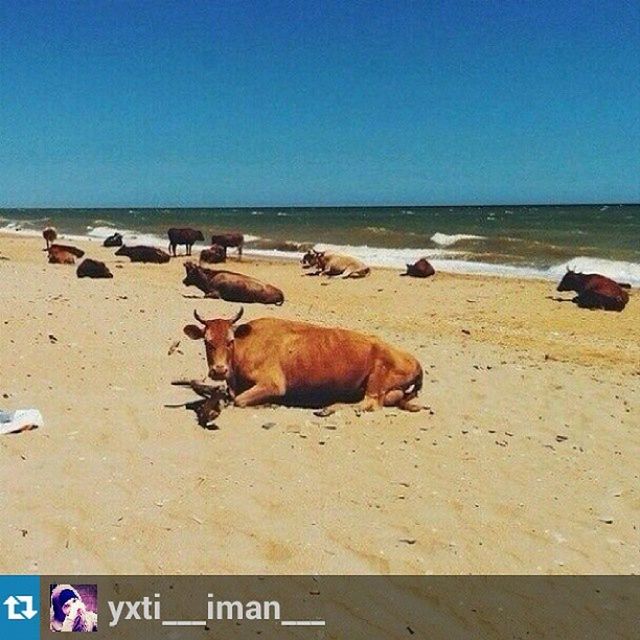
[
  {"x": 185, "y": 236},
  {"x": 49, "y": 234},
  {"x": 420, "y": 269},
  {"x": 229, "y": 240},
  {"x": 114, "y": 240},
  {"x": 297, "y": 363},
  {"x": 230, "y": 286},
  {"x": 214, "y": 254},
  {"x": 594, "y": 291},
  {"x": 89, "y": 268},
  {"x": 141, "y": 253}
]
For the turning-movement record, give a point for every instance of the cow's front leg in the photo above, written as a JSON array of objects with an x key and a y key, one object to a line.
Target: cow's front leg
[{"x": 258, "y": 394}]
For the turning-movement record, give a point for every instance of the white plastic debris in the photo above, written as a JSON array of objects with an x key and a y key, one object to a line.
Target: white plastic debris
[{"x": 19, "y": 420}]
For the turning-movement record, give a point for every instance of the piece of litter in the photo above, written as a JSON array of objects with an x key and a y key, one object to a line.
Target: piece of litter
[{"x": 20, "y": 420}]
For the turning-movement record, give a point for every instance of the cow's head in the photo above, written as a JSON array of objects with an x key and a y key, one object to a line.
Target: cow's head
[
  {"x": 199, "y": 236},
  {"x": 194, "y": 274},
  {"x": 311, "y": 258},
  {"x": 218, "y": 339},
  {"x": 122, "y": 251},
  {"x": 571, "y": 281}
]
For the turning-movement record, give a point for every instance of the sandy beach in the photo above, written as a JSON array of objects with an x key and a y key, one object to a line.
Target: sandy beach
[{"x": 526, "y": 462}]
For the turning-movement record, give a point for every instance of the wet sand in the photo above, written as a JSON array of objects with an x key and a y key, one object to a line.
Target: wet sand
[{"x": 526, "y": 461}]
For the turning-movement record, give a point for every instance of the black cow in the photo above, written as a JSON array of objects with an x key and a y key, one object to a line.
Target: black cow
[
  {"x": 421, "y": 269},
  {"x": 141, "y": 253},
  {"x": 114, "y": 240},
  {"x": 89, "y": 268},
  {"x": 184, "y": 236}
]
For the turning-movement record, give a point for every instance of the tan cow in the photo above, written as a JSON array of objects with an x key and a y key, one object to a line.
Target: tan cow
[
  {"x": 334, "y": 264},
  {"x": 274, "y": 360}
]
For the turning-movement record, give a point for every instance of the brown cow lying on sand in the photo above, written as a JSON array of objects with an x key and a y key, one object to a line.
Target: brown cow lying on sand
[
  {"x": 297, "y": 363},
  {"x": 141, "y": 253},
  {"x": 60, "y": 256},
  {"x": 64, "y": 254},
  {"x": 89, "y": 268},
  {"x": 334, "y": 264},
  {"x": 234, "y": 287},
  {"x": 595, "y": 291},
  {"x": 214, "y": 254},
  {"x": 229, "y": 240},
  {"x": 421, "y": 269}
]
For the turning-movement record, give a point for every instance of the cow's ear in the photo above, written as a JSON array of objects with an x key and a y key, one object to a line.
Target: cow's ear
[{"x": 194, "y": 331}]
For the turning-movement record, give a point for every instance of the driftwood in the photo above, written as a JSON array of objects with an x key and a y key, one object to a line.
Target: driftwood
[{"x": 214, "y": 400}]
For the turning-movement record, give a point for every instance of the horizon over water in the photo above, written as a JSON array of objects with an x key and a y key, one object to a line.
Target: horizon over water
[{"x": 513, "y": 240}]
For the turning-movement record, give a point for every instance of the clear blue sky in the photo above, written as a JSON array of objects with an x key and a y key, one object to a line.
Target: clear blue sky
[{"x": 259, "y": 102}]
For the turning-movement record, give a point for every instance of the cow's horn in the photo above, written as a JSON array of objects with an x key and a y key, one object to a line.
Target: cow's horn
[
  {"x": 196, "y": 315},
  {"x": 238, "y": 315}
]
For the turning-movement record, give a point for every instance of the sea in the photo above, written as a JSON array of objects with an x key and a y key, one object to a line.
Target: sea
[{"x": 519, "y": 241}]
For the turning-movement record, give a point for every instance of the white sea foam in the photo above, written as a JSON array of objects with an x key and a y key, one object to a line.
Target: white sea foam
[
  {"x": 446, "y": 240},
  {"x": 129, "y": 236}
]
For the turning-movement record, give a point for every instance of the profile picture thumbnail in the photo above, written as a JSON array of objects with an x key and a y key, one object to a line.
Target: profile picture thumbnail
[{"x": 74, "y": 607}]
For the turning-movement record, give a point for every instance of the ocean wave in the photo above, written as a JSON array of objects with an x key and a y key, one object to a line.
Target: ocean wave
[
  {"x": 446, "y": 240},
  {"x": 378, "y": 230},
  {"x": 288, "y": 246}
]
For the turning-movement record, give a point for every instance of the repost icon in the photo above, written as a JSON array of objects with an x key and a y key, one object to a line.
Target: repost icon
[{"x": 19, "y": 607}]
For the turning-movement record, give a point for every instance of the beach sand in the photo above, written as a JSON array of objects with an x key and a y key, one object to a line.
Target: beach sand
[{"x": 526, "y": 462}]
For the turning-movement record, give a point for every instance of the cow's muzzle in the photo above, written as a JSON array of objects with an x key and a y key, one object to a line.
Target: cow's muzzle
[{"x": 219, "y": 372}]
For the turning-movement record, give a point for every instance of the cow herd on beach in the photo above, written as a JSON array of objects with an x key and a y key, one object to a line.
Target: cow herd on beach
[{"x": 296, "y": 363}]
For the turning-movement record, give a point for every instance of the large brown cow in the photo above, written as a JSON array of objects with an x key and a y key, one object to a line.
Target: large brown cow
[
  {"x": 230, "y": 286},
  {"x": 185, "y": 236},
  {"x": 229, "y": 240},
  {"x": 141, "y": 253},
  {"x": 594, "y": 291},
  {"x": 297, "y": 363},
  {"x": 334, "y": 264}
]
